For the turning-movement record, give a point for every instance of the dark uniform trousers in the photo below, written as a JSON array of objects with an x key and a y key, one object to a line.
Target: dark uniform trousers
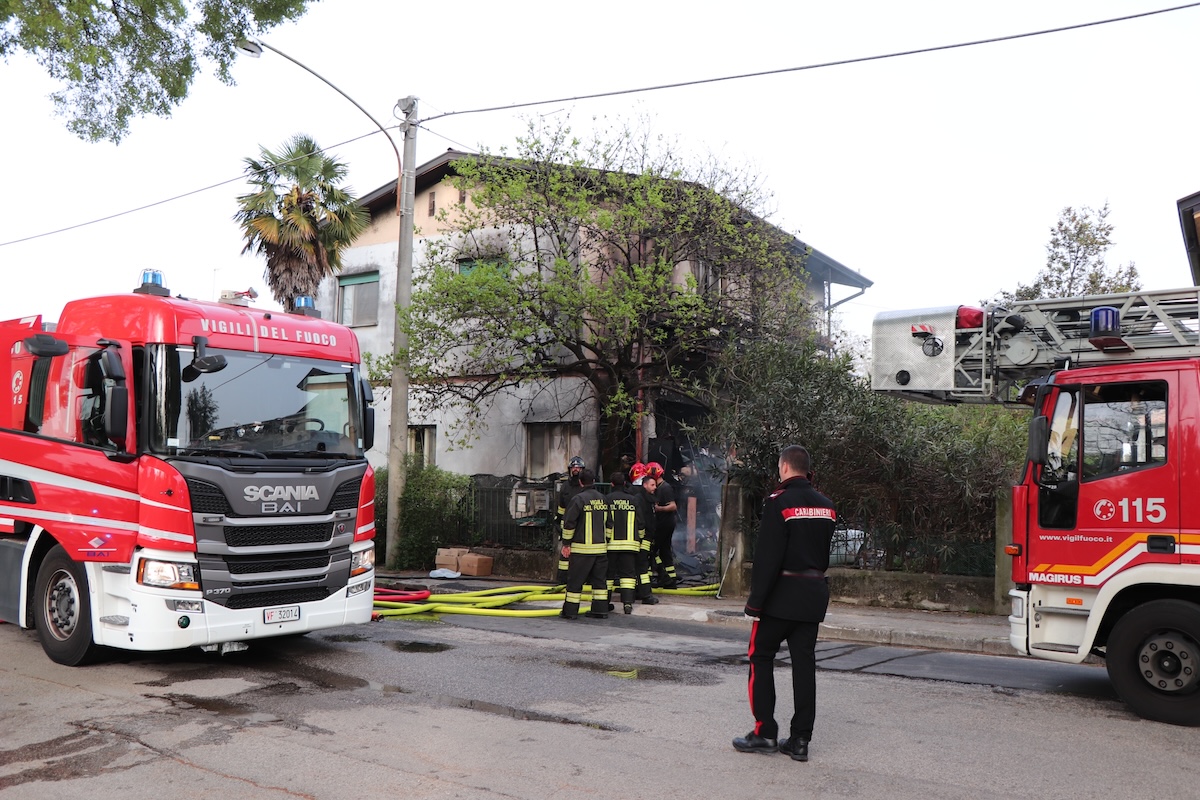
[{"x": 766, "y": 636}]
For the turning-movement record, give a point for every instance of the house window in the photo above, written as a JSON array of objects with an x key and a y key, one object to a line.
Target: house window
[
  {"x": 358, "y": 299},
  {"x": 467, "y": 265},
  {"x": 422, "y": 443},
  {"x": 549, "y": 446},
  {"x": 707, "y": 280},
  {"x": 432, "y": 203}
]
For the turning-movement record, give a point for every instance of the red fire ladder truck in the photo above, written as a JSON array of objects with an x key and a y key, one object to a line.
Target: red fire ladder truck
[{"x": 1106, "y": 536}]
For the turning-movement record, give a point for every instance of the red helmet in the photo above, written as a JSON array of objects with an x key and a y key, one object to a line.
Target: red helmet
[
  {"x": 654, "y": 470},
  {"x": 637, "y": 471}
]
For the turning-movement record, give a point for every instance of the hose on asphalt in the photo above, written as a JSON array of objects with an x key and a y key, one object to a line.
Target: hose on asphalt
[{"x": 492, "y": 602}]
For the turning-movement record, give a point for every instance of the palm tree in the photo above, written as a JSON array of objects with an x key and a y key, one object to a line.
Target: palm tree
[{"x": 298, "y": 217}]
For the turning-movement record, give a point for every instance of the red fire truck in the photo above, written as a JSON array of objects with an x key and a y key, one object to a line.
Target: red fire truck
[
  {"x": 176, "y": 473},
  {"x": 1106, "y": 535}
]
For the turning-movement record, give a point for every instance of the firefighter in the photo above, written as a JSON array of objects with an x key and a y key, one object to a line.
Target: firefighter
[
  {"x": 585, "y": 546},
  {"x": 569, "y": 490},
  {"x": 662, "y": 553},
  {"x": 626, "y": 532},
  {"x": 789, "y": 595},
  {"x": 644, "y": 493}
]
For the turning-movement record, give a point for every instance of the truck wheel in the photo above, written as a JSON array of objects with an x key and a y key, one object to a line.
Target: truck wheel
[
  {"x": 1153, "y": 661},
  {"x": 63, "y": 610}
]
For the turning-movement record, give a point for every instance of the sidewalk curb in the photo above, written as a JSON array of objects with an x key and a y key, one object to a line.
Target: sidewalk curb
[{"x": 991, "y": 645}]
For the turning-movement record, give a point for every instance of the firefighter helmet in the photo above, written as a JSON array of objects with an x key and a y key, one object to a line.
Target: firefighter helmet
[
  {"x": 576, "y": 462},
  {"x": 654, "y": 470},
  {"x": 637, "y": 471}
]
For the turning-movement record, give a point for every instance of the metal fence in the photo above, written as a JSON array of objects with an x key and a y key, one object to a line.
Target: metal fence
[{"x": 510, "y": 511}]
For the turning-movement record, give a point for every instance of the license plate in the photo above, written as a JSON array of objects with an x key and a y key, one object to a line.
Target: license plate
[{"x": 282, "y": 614}]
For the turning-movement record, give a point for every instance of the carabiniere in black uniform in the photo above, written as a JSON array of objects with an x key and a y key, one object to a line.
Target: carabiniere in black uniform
[{"x": 789, "y": 594}]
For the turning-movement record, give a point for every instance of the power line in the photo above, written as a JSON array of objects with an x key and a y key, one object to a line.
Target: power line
[
  {"x": 701, "y": 81},
  {"x": 242, "y": 177},
  {"x": 618, "y": 92}
]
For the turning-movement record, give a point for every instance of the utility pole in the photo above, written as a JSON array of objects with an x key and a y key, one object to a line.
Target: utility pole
[{"x": 398, "y": 428}]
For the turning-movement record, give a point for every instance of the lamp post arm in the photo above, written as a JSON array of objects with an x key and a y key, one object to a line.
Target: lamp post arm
[{"x": 326, "y": 81}]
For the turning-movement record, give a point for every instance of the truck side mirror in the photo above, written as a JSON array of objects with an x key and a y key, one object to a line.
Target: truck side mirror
[
  {"x": 116, "y": 396},
  {"x": 1039, "y": 439},
  {"x": 368, "y": 415},
  {"x": 116, "y": 413},
  {"x": 43, "y": 345}
]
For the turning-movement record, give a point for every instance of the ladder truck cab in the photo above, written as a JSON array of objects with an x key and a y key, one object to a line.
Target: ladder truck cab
[
  {"x": 178, "y": 473},
  {"x": 1106, "y": 532}
]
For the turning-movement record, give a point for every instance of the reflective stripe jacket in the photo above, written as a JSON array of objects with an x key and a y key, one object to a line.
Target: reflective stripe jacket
[
  {"x": 585, "y": 523},
  {"x": 792, "y": 554},
  {"x": 624, "y": 521}
]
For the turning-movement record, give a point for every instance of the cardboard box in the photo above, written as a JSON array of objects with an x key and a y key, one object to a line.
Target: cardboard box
[
  {"x": 448, "y": 557},
  {"x": 475, "y": 564}
]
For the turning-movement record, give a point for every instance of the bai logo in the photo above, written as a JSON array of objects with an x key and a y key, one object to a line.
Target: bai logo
[{"x": 281, "y": 499}]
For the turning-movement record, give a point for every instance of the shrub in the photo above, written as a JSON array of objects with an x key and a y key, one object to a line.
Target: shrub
[{"x": 435, "y": 512}]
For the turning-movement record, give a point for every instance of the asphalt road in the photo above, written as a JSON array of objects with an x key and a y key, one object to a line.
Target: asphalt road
[{"x": 631, "y": 707}]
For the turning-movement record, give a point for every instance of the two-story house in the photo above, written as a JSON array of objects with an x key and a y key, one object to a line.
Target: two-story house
[{"x": 533, "y": 435}]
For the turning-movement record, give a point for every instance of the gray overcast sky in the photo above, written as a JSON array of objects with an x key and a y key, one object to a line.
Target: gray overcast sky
[{"x": 938, "y": 176}]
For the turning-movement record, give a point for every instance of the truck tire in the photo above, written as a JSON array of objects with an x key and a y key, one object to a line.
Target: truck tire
[
  {"x": 1153, "y": 661},
  {"x": 63, "y": 610}
]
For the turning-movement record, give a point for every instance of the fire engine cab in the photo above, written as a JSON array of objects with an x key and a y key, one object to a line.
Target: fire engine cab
[
  {"x": 1106, "y": 528},
  {"x": 178, "y": 473}
]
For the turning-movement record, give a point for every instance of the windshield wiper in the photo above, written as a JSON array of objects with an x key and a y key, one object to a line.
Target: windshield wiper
[
  {"x": 308, "y": 454},
  {"x": 218, "y": 451}
]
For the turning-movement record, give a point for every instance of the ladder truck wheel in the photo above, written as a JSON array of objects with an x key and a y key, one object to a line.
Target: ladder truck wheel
[
  {"x": 63, "y": 610},
  {"x": 1153, "y": 661}
]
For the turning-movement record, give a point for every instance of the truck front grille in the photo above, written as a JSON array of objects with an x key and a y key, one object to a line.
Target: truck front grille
[
  {"x": 284, "y": 598},
  {"x": 262, "y": 535},
  {"x": 252, "y": 566}
]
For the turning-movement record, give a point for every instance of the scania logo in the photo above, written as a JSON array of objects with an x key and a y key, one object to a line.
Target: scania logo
[
  {"x": 257, "y": 494},
  {"x": 281, "y": 499}
]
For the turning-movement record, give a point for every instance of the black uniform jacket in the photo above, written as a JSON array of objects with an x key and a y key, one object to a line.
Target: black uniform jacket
[{"x": 792, "y": 554}]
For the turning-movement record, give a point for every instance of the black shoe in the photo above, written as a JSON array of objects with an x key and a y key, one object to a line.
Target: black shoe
[
  {"x": 611, "y": 606},
  {"x": 671, "y": 585},
  {"x": 597, "y": 614},
  {"x": 629, "y": 608},
  {"x": 753, "y": 743},
  {"x": 565, "y": 615},
  {"x": 651, "y": 600},
  {"x": 794, "y": 747}
]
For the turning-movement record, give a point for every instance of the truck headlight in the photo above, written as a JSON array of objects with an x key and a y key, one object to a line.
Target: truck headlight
[
  {"x": 167, "y": 574},
  {"x": 362, "y": 561},
  {"x": 1018, "y": 607}
]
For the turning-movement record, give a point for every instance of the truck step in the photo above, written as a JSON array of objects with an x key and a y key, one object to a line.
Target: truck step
[
  {"x": 115, "y": 620},
  {"x": 1055, "y": 648}
]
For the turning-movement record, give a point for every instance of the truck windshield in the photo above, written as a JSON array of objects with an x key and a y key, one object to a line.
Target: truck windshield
[{"x": 257, "y": 405}]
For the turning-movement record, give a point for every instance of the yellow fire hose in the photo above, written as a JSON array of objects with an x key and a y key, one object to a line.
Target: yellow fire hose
[{"x": 491, "y": 602}]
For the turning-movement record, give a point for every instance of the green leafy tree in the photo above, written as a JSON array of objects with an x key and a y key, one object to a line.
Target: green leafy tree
[
  {"x": 299, "y": 217},
  {"x": 1075, "y": 260},
  {"x": 616, "y": 262},
  {"x": 923, "y": 480},
  {"x": 125, "y": 58}
]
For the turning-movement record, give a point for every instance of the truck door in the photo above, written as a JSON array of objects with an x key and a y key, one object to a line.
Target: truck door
[
  {"x": 1108, "y": 496},
  {"x": 78, "y": 417}
]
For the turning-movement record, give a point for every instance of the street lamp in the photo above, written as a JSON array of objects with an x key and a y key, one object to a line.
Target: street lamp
[{"x": 405, "y": 198}]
